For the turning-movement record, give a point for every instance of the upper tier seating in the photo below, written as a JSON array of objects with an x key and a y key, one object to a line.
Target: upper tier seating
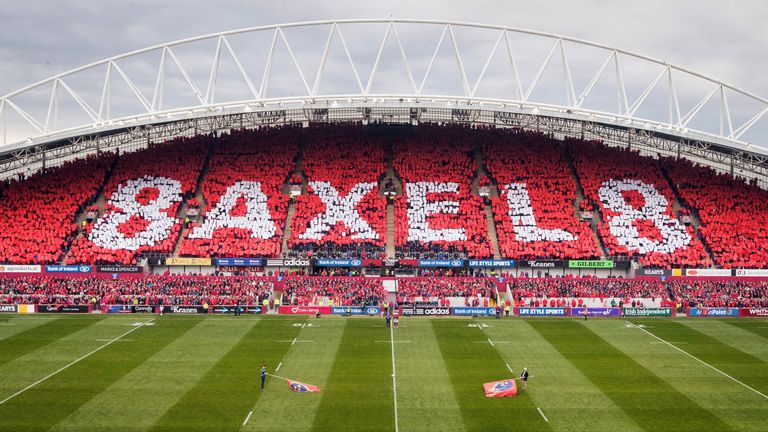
[
  {"x": 246, "y": 208},
  {"x": 438, "y": 216},
  {"x": 733, "y": 214},
  {"x": 635, "y": 202},
  {"x": 342, "y": 214},
  {"x": 37, "y": 215},
  {"x": 534, "y": 211},
  {"x": 143, "y": 194}
]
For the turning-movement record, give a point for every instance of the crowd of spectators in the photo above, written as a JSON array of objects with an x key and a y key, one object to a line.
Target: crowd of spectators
[
  {"x": 535, "y": 209},
  {"x": 438, "y": 217},
  {"x": 338, "y": 290},
  {"x": 342, "y": 214},
  {"x": 37, "y": 214},
  {"x": 150, "y": 290},
  {"x": 721, "y": 293},
  {"x": 586, "y": 288},
  {"x": 733, "y": 213},
  {"x": 416, "y": 290},
  {"x": 636, "y": 203},
  {"x": 144, "y": 193},
  {"x": 245, "y": 208}
]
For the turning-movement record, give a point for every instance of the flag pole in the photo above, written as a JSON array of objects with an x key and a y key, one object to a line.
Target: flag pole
[{"x": 276, "y": 376}]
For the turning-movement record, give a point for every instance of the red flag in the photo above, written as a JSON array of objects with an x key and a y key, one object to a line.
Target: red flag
[
  {"x": 299, "y": 387},
  {"x": 505, "y": 388}
]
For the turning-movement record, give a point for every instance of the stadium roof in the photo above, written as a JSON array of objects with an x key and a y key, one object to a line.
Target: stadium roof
[{"x": 353, "y": 69}]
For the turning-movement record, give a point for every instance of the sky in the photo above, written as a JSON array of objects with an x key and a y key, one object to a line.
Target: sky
[{"x": 727, "y": 41}]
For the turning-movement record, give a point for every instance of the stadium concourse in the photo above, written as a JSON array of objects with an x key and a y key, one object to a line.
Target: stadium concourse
[{"x": 342, "y": 214}]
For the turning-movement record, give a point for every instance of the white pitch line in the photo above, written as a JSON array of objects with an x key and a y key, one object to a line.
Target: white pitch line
[
  {"x": 248, "y": 417},
  {"x": 278, "y": 366},
  {"x": 491, "y": 342},
  {"x": 542, "y": 414},
  {"x": 701, "y": 361},
  {"x": 510, "y": 369},
  {"x": 394, "y": 380},
  {"x": 76, "y": 361},
  {"x": 294, "y": 340}
]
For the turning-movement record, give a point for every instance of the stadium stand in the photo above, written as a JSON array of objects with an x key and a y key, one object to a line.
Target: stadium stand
[
  {"x": 733, "y": 214},
  {"x": 721, "y": 293},
  {"x": 319, "y": 290},
  {"x": 144, "y": 194},
  {"x": 428, "y": 289},
  {"x": 172, "y": 290},
  {"x": 37, "y": 214},
  {"x": 636, "y": 204},
  {"x": 245, "y": 208},
  {"x": 543, "y": 288},
  {"x": 438, "y": 216},
  {"x": 342, "y": 215},
  {"x": 534, "y": 212}
]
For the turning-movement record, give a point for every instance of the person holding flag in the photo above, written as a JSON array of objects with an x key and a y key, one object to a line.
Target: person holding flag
[
  {"x": 263, "y": 376},
  {"x": 524, "y": 378}
]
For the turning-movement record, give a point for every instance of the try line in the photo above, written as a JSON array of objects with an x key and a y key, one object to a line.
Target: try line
[
  {"x": 698, "y": 359},
  {"x": 111, "y": 341}
]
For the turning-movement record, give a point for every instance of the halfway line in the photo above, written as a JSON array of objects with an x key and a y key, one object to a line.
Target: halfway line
[
  {"x": 699, "y": 360},
  {"x": 394, "y": 380},
  {"x": 70, "y": 364}
]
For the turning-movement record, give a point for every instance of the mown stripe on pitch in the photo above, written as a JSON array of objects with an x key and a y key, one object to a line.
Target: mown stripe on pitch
[
  {"x": 470, "y": 365},
  {"x": 647, "y": 399},
  {"x": 358, "y": 396},
  {"x": 279, "y": 409},
  {"x": 424, "y": 407},
  {"x": 758, "y": 326},
  {"x": 46, "y": 404},
  {"x": 733, "y": 336},
  {"x": 746, "y": 368},
  {"x": 37, "y": 337},
  {"x": 225, "y": 394},
  {"x": 556, "y": 386},
  {"x": 14, "y": 324},
  {"x": 141, "y": 397}
]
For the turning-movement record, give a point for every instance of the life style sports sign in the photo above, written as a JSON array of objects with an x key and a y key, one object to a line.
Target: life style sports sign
[{"x": 541, "y": 311}]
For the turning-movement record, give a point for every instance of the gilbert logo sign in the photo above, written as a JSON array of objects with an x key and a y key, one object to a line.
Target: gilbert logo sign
[{"x": 596, "y": 264}]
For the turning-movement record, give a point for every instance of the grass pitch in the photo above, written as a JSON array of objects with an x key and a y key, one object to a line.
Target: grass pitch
[{"x": 138, "y": 372}]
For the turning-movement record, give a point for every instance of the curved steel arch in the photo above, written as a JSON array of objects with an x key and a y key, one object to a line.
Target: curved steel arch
[{"x": 39, "y": 128}]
